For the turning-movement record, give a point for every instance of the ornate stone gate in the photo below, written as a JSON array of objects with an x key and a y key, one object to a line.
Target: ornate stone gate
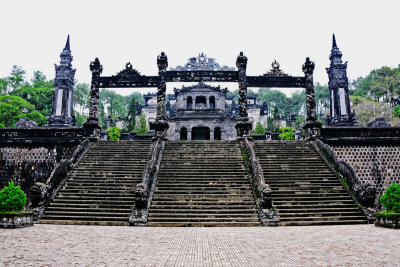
[{"x": 131, "y": 78}]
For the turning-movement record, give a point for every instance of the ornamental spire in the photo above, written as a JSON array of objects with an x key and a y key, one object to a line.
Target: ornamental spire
[
  {"x": 66, "y": 56},
  {"x": 335, "y": 56},
  {"x": 67, "y": 47},
  {"x": 334, "y": 45}
]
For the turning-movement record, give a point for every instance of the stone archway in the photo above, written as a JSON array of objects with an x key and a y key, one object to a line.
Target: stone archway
[{"x": 200, "y": 133}]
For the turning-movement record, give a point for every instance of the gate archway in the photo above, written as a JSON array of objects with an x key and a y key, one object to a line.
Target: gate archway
[{"x": 131, "y": 78}]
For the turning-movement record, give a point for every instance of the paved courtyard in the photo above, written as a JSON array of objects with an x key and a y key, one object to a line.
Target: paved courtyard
[{"x": 64, "y": 245}]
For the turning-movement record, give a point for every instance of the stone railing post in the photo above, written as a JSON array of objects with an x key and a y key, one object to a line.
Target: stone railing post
[
  {"x": 312, "y": 126},
  {"x": 92, "y": 127},
  {"x": 243, "y": 126},
  {"x": 161, "y": 125}
]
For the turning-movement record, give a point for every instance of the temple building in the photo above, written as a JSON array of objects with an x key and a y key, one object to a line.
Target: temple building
[{"x": 202, "y": 111}]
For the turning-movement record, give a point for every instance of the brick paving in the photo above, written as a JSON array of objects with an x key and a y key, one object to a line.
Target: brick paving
[{"x": 70, "y": 245}]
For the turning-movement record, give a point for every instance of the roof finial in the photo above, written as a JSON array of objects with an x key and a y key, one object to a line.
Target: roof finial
[
  {"x": 334, "y": 45},
  {"x": 67, "y": 47}
]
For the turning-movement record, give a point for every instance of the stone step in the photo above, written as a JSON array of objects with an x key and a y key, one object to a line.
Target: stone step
[
  {"x": 316, "y": 209},
  {"x": 85, "y": 201},
  {"x": 203, "y": 224},
  {"x": 78, "y": 221},
  {"x": 320, "y": 218},
  {"x": 82, "y": 208},
  {"x": 326, "y": 222},
  {"x": 310, "y": 201},
  {"x": 87, "y": 218},
  {"x": 162, "y": 202},
  {"x": 248, "y": 216},
  {"x": 204, "y": 219},
  {"x": 322, "y": 214}
]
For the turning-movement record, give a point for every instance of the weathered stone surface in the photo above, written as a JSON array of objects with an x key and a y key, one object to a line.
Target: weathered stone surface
[{"x": 79, "y": 245}]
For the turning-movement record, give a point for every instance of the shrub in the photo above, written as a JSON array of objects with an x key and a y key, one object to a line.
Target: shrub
[
  {"x": 12, "y": 199},
  {"x": 391, "y": 198},
  {"x": 287, "y": 133},
  {"x": 260, "y": 129},
  {"x": 114, "y": 133}
]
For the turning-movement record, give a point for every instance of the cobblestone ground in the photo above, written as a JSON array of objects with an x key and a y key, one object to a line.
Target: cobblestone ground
[{"x": 63, "y": 245}]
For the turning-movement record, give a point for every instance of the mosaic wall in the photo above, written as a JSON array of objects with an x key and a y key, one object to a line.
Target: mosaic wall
[
  {"x": 379, "y": 165},
  {"x": 27, "y": 165}
]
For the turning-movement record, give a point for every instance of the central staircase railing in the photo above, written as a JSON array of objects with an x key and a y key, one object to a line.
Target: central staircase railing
[
  {"x": 144, "y": 190},
  {"x": 263, "y": 192}
]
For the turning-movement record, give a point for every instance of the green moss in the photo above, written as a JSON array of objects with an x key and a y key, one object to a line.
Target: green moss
[{"x": 388, "y": 215}]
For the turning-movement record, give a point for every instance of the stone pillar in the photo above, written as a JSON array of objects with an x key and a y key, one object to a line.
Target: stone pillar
[
  {"x": 211, "y": 134},
  {"x": 312, "y": 126},
  {"x": 189, "y": 134},
  {"x": 340, "y": 113},
  {"x": 92, "y": 127},
  {"x": 61, "y": 115},
  {"x": 243, "y": 126},
  {"x": 161, "y": 125},
  {"x": 207, "y": 103}
]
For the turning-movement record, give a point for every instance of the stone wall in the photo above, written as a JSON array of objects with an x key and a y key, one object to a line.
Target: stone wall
[
  {"x": 28, "y": 165},
  {"x": 375, "y": 164},
  {"x": 29, "y": 155}
]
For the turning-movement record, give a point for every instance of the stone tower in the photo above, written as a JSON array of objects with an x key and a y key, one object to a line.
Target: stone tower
[
  {"x": 61, "y": 114},
  {"x": 340, "y": 113}
]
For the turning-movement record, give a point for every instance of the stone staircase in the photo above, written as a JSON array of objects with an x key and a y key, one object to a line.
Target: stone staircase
[
  {"x": 100, "y": 189},
  {"x": 202, "y": 183},
  {"x": 304, "y": 190}
]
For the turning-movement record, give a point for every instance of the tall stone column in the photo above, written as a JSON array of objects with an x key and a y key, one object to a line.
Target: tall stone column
[
  {"x": 340, "y": 112},
  {"x": 161, "y": 125},
  {"x": 243, "y": 126},
  {"x": 92, "y": 127},
  {"x": 312, "y": 126},
  {"x": 61, "y": 115}
]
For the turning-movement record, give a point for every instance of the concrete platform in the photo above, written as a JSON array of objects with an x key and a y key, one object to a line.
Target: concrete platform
[{"x": 79, "y": 245}]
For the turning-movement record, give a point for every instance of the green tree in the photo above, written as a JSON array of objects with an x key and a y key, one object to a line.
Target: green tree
[
  {"x": 141, "y": 125},
  {"x": 114, "y": 133},
  {"x": 81, "y": 96},
  {"x": 274, "y": 123},
  {"x": 80, "y": 119},
  {"x": 114, "y": 103},
  {"x": 12, "y": 108},
  {"x": 138, "y": 96},
  {"x": 381, "y": 85},
  {"x": 321, "y": 98},
  {"x": 298, "y": 100},
  {"x": 16, "y": 78},
  {"x": 396, "y": 111},
  {"x": 274, "y": 98},
  {"x": 39, "y": 79},
  {"x": 131, "y": 119},
  {"x": 40, "y": 97},
  {"x": 12, "y": 199},
  {"x": 3, "y": 86},
  {"x": 391, "y": 198},
  {"x": 260, "y": 129},
  {"x": 286, "y": 133},
  {"x": 367, "y": 110}
]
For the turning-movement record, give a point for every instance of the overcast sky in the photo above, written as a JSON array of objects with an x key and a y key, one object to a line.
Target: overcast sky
[{"x": 34, "y": 33}]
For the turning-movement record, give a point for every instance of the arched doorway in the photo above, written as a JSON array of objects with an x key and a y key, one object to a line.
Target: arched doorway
[
  {"x": 200, "y": 133},
  {"x": 183, "y": 134},
  {"x": 217, "y": 133}
]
